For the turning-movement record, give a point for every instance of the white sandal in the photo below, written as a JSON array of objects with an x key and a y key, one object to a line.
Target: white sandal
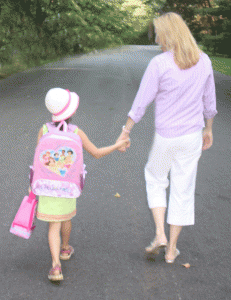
[
  {"x": 155, "y": 247},
  {"x": 171, "y": 261}
]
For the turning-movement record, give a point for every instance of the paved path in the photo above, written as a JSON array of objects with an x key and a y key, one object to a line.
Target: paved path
[{"x": 109, "y": 233}]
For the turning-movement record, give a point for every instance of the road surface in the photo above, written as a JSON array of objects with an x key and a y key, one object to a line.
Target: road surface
[{"x": 109, "y": 233}]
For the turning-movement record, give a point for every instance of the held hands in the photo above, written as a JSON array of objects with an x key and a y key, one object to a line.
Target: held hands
[
  {"x": 124, "y": 141},
  {"x": 207, "y": 139}
]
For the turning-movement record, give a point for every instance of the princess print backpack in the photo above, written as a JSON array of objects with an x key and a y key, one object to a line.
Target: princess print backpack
[{"x": 58, "y": 169}]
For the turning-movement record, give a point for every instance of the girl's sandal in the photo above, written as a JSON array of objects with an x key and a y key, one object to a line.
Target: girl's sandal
[
  {"x": 55, "y": 277},
  {"x": 66, "y": 254}
]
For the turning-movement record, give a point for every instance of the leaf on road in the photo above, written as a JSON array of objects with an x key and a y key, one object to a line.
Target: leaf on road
[
  {"x": 187, "y": 265},
  {"x": 117, "y": 195}
]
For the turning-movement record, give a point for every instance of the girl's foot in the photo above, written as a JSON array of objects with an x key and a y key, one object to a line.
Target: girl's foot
[
  {"x": 65, "y": 253},
  {"x": 55, "y": 273},
  {"x": 170, "y": 256},
  {"x": 156, "y": 245}
]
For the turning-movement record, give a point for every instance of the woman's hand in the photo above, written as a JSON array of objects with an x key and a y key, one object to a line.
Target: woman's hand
[
  {"x": 122, "y": 144},
  {"x": 207, "y": 139},
  {"x": 124, "y": 136}
]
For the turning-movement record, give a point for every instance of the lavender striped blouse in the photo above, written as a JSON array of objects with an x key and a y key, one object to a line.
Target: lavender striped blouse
[{"x": 183, "y": 98}]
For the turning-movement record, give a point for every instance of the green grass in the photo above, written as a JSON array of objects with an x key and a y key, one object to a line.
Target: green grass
[
  {"x": 18, "y": 65},
  {"x": 222, "y": 65}
]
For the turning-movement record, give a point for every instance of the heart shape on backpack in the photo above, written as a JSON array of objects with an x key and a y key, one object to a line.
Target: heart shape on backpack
[{"x": 58, "y": 161}]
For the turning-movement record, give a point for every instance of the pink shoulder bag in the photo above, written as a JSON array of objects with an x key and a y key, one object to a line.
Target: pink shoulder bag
[{"x": 23, "y": 224}]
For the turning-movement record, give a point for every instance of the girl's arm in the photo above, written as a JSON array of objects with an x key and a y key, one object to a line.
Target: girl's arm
[
  {"x": 100, "y": 152},
  {"x": 40, "y": 134}
]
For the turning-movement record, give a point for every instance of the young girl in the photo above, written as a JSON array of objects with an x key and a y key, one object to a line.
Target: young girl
[{"x": 62, "y": 104}]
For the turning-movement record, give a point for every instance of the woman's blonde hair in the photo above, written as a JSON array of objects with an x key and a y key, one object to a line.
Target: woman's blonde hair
[{"x": 174, "y": 35}]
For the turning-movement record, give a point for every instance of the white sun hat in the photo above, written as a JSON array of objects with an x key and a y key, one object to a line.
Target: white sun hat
[{"x": 61, "y": 103}]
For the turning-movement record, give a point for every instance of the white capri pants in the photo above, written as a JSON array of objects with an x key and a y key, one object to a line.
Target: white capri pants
[{"x": 179, "y": 156}]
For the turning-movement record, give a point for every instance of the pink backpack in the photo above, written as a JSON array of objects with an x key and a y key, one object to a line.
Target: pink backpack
[{"x": 58, "y": 169}]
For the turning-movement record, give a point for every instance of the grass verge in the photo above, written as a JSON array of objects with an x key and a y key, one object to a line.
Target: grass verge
[
  {"x": 18, "y": 65},
  {"x": 222, "y": 65}
]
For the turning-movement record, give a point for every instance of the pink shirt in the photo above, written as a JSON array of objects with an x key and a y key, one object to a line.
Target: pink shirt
[{"x": 182, "y": 98}]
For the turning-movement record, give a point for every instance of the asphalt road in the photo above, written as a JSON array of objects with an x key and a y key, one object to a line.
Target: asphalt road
[{"x": 109, "y": 234}]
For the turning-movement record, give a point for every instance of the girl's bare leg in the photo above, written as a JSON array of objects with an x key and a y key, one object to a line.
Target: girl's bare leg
[
  {"x": 66, "y": 232},
  {"x": 54, "y": 242},
  {"x": 174, "y": 235}
]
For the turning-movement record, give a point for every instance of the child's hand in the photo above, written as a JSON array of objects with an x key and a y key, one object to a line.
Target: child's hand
[
  {"x": 29, "y": 189},
  {"x": 125, "y": 143},
  {"x": 123, "y": 136}
]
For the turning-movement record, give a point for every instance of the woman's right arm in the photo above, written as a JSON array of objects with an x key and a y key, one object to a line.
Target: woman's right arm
[
  {"x": 99, "y": 152},
  {"x": 209, "y": 102},
  {"x": 207, "y": 134},
  {"x": 146, "y": 94}
]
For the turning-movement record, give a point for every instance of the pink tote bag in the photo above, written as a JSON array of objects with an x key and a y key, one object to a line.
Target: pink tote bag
[{"x": 23, "y": 224}]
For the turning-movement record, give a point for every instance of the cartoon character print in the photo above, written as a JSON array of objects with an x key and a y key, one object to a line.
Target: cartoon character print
[{"x": 58, "y": 161}]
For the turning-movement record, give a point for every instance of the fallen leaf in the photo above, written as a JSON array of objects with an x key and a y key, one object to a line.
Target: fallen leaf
[
  {"x": 117, "y": 195},
  {"x": 187, "y": 265}
]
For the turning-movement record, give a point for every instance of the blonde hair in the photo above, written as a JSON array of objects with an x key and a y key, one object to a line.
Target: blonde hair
[{"x": 174, "y": 35}]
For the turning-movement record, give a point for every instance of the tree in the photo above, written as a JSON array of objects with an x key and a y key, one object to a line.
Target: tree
[
  {"x": 217, "y": 39},
  {"x": 39, "y": 29}
]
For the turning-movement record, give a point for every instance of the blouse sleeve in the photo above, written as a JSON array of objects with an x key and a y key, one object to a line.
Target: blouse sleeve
[
  {"x": 209, "y": 97},
  {"x": 146, "y": 93},
  {"x": 45, "y": 129}
]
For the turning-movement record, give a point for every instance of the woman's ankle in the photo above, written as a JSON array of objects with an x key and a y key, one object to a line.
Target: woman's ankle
[
  {"x": 161, "y": 238},
  {"x": 171, "y": 248}
]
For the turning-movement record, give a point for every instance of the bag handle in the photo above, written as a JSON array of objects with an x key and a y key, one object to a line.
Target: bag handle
[
  {"x": 31, "y": 197},
  {"x": 64, "y": 126}
]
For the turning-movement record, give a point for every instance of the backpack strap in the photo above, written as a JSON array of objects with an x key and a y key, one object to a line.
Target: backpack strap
[
  {"x": 52, "y": 128},
  {"x": 72, "y": 128},
  {"x": 49, "y": 127}
]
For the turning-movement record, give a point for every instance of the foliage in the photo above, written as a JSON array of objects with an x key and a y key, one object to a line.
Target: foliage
[
  {"x": 51, "y": 28},
  {"x": 222, "y": 65},
  {"x": 217, "y": 41},
  {"x": 208, "y": 20},
  {"x": 141, "y": 14}
]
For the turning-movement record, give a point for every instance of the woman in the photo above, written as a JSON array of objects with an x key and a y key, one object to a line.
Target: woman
[{"x": 181, "y": 83}]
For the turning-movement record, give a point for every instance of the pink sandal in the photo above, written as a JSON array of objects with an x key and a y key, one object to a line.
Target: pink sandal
[
  {"x": 55, "y": 277},
  {"x": 66, "y": 254}
]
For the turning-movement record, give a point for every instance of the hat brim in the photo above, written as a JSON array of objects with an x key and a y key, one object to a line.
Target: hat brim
[{"x": 70, "y": 110}]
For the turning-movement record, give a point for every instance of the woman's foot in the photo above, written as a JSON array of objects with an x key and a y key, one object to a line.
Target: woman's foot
[
  {"x": 156, "y": 245},
  {"x": 66, "y": 252},
  {"x": 55, "y": 273},
  {"x": 170, "y": 256}
]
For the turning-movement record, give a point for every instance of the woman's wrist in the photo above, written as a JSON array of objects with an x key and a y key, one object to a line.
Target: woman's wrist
[{"x": 125, "y": 130}]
